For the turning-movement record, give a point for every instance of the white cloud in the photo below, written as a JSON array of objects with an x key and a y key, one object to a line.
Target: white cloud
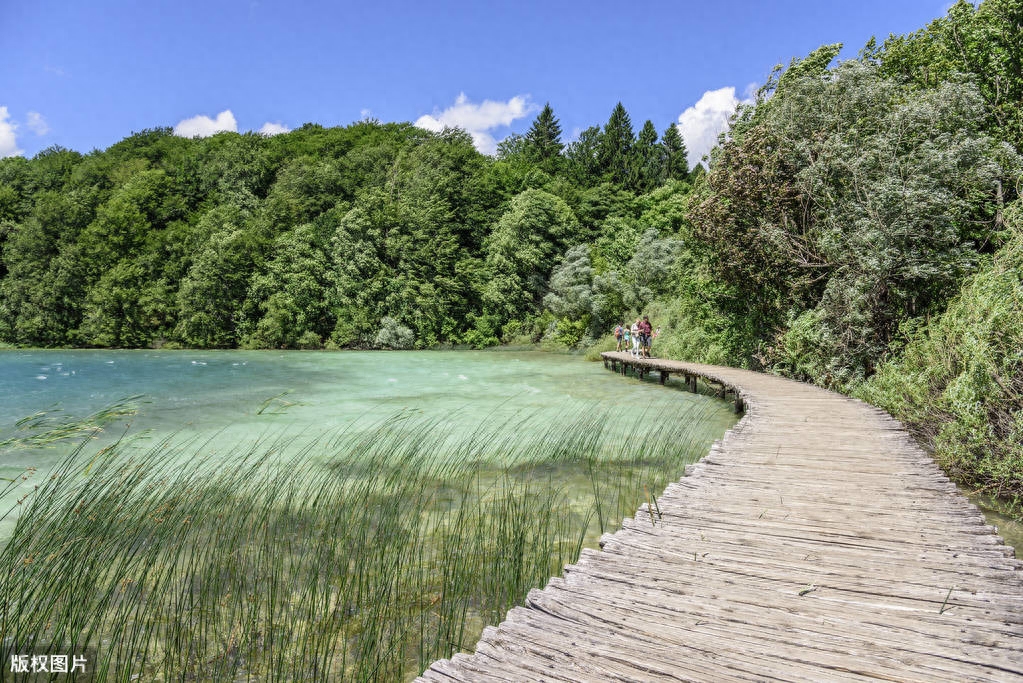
[
  {"x": 8, "y": 144},
  {"x": 478, "y": 119},
  {"x": 365, "y": 114},
  {"x": 36, "y": 123},
  {"x": 701, "y": 124},
  {"x": 203, "y": 126},
  {"x": 269, "y": 129}
]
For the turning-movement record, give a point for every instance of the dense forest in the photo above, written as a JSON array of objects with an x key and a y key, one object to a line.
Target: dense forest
[
  {"x": 373, "y": 235},
  {"x": 859, "y": 227}
]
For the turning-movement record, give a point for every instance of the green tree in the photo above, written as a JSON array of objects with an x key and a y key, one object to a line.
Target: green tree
[
  {"x": 651, "y": 268},
  {"x": 447, "y": 168},
  {"x": 842, "y": 206},
  {"x": 288, "y": 297},
  {"x": 213, "y": 291},
  {"x": 359, "y": 273},
  {"x": 673, "y": 154},
  {"x": 521, "y": 251},
  {"x": 40, "y": 296},
  {"x": 582, "y": 157},
  {"x": 601, "y": 202},
  {"x": 616, "y": 244},
  {"x": 982, "y": 41},
  {"x": 51, "y": 169},
  {"x": 647, "y": 159},
  {"x": 118, "y": 306},
  {"x": 615, "y": 152},
  {"x": 10, "y": 204},
  {"x": 233, "y": 168},
  {"x": 958, "y": 384},
  {"x": 304, "y": 188},
  {"x": 570, "y": 293},
  {"x": 544, "y": 138}
]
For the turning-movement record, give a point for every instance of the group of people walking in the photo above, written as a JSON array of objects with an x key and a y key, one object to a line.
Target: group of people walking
[{"x": 640, "y": 335}]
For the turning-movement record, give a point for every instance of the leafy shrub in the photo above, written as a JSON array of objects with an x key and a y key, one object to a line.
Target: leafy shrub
[
  {"x": 309, "y": 340},
  {"x": 959, "y": 383},
  {"x": 394, "y": 335}
]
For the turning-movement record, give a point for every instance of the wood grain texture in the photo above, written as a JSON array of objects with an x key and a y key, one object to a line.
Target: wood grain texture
[{"x": 815, "y": 542}]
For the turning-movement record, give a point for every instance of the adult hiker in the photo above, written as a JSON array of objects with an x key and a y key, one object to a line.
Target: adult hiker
[{"x": 645, "y": 331}]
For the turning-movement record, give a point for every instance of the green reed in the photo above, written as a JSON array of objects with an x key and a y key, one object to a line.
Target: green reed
[{"x": 361, "y": 555}]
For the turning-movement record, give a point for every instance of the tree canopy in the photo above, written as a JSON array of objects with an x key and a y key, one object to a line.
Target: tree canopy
[{"x": 321, "y": 236}]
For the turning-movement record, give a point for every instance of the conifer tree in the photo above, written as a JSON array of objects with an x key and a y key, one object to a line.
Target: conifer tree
[
  {"x": 615, "y": 153},
  {"x": 544, "y": 136},
  {"x": 581, "y": 161},
  {"x": 647, "y": 159},
  {"x": 674, "y": 154}
]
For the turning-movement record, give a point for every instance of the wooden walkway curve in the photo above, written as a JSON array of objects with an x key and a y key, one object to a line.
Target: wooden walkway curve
[{"x": 815, "y": 542}]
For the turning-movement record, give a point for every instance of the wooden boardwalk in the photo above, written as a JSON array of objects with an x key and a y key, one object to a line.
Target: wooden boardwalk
[{"x": 816, "y": 542}]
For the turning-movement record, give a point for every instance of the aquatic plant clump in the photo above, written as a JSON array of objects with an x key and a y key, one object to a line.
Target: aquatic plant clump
[{"x": 361, "y": 556}]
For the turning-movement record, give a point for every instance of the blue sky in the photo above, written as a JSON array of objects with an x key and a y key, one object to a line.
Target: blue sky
[{"x": 83, "y": 75}]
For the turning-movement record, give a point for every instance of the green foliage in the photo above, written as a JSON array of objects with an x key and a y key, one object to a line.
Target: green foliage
[
  {"x": 304, "y": 189},
  {"x": 666, "y": 209},
  {"x": 582, "y": 157},
  {"x": 569, "y": 332},
  {"x": 676, "y": 164},
  {"x": 812, "y": 67},
  {"x": 543, "y": 141},
  {"x": 690, "y": 329},
  {"x": 51, "y": 169},
  {"x": 521, "y": 252},
  {"x": 982, "y": 41},
  {"x": 853, "y": 195},
  {"x": 570, "y": 284},
  {"x": 616, "y": 244},
  {"x": 959, "y": 382},
  {"x": 648, "y": 161},
  {"x": 117, "y": 307},
  {"x": 289, "y": 296},
  {"x": 41, "y": 295},
  {"x": 216, "y": 283},
  {"x": 595, "y": 299},
  {"x": 394, "y": 335},
  {"x": 10, "y": 204},
  {"x": 615, "y": 150},
  {"x": 601, "y": 202},
  {"x": 653, "y": 266},
  {"x": 243, "y": 239}
]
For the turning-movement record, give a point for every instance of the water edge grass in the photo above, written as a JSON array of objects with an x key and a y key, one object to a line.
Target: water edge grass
[{"x": 361, "y": 556}]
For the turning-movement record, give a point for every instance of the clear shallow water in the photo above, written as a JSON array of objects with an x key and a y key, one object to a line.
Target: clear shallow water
[
  {"x": 186, "y": 390},
  {"x": 998, "y": 515},
  {"x": 228, "y": 399},
  {"x": 217, "y": 396}
]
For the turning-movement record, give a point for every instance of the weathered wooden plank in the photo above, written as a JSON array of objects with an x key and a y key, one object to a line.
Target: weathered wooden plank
[
  {"x": 940, "y": 568},
  {"x": 815, "y": 541},
  {"x": 745, "y": 636}
]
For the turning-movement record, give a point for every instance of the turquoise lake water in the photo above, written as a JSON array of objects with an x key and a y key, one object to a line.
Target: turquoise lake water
[{"x": 227, "y": 399}]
